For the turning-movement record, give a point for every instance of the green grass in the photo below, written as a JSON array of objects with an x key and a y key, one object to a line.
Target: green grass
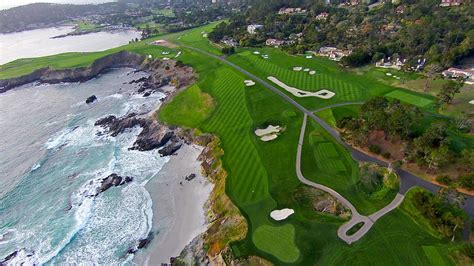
[
  {"x": 189, "y": 108},
  {"x": 165, "y": 12},
  {"x": 347, "y": 85},
  {"x": 278, "y": 241},
  {"x": 87, "y": 27},
  {"x": 74, "y": 60},
  {"x": 410, "y": 98}
]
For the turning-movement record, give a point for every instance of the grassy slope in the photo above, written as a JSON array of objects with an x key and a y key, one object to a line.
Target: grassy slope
[
  {"x": 189, "y": 108},
  {"x": 262, "y": 175}
]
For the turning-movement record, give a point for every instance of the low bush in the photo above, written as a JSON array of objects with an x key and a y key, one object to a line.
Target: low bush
[{"x": 374, "y": 149}]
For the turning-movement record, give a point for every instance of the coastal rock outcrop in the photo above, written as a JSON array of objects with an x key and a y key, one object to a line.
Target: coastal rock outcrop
[
  {"x": 153, "y": 135},
  {"x": 160, "y": 72},
  {"x": 52, "y": 76},
  {"x": 20, "y": 255},
  {"x": 114, "y": 180},
  {"x": 91, "y": 99}
]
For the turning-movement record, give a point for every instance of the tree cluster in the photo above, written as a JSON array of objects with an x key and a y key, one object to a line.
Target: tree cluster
[{"x": 446, "y": 218}]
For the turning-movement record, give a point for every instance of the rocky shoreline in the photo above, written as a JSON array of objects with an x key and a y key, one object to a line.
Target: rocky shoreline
[{"x": 161, "y": 72}]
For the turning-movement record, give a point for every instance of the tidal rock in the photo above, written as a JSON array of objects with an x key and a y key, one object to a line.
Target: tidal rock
[
  {"x": 190, "y": 177},
  {"x": 114, "y": 180},
  {"x": 91, "y": 99},
  {"x": 142, "y": 243},
  {"x": 146, "y": 94},
  {"x": 170, "y": 149}
]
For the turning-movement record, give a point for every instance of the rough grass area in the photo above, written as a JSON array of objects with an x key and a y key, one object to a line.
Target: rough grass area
[
  {"x": 189, "y": 108},
  {"x": 410, "y": 98},
  {"x": 327, "y": 162},
  {"x": 278, "y": 241}
]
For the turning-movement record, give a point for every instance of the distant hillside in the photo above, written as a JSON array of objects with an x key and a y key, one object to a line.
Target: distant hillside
[{"x": 41, "y": 14}]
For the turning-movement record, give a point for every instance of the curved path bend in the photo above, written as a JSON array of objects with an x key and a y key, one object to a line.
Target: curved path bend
[
  {"x": 407, "y": 180},
  {"x": 356, "y": 216}
]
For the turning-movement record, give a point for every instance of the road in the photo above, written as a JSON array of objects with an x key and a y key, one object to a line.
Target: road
[{"x": 407, "y": 180}]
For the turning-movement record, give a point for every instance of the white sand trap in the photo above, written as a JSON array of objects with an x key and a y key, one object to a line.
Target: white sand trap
[
  {"x": 309, "y": 56},
  {"x": 249, "y": 83},
  {"x": 165, "y": 53},
  {"x": 282, "y": 214},
  {"x": 269, "y": 137},
  {"x": 297, "y": 68},
  {"x": 204, "y": 35},
  {"x": 265, "y": 56},
  {"x": 166, "y": 58},
  {"x": 256, "y": 52},
  {"x": 471, "y": 101},
  {"x": 397, "y": 77},
  {"x": 150, "y": 56},
  {"x": 323, "y": 94},
  {"x": 388, "y": 74},
  {"x": 269, "y": 130},
  {"x": 268, "y": 133},
  {"x": 306, "y": 70},
  {"x": 177, "y": 55},
  {"x": 312, "y": 72}
]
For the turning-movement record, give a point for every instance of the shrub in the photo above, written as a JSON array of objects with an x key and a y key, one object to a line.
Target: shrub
[
  {"x": 444, "y": 179},
  {"x": 467, "y": 181},
  {"x": 386, "y": 155},
  {"x": 374, "y": 149}
]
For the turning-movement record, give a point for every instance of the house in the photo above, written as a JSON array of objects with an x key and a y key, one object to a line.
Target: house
[
  {"x": 451, "y": 2},
  {"x": 291, "y": 11},
  {"x": 322, "y": 16},
  {"x": 229, "y": 42},
  {"x": 458, "y": 72},
  {"x": 333, "y": 53},
  {"x": 252, "y": 29},
  {"x": 275, "y": 42},
  {"x": 467, "y": 74},
  {"x": 396, "y": 63}
]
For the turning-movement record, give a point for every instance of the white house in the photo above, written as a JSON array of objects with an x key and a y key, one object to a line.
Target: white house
[{"x": 252, "y": 29}]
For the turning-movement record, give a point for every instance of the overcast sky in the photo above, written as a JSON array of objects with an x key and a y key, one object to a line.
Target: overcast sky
[{"x": 5, "y": 4}]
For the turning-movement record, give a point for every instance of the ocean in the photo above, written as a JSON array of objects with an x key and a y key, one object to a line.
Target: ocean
[{"x": 52, "y": 159}]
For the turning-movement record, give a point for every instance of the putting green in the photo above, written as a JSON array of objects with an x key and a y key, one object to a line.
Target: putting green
[
  {"x": 278, "y": 241},
  {"x": 410, "y": 98}
]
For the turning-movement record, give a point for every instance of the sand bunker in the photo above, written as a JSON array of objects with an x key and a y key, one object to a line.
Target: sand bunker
[
  {"x": 268, "y": 133},
  {"x": 471, "y": 101},
  {"x": 179, "y": 53},
  {"x": 388, "y": 74},
  {"x": 309, "y": 56},
  {"x": 269, "y": 137},
  {"x": 204, "y": 35},
  {"x": 297, "y": 68},
  {"x": 323, "y": 94},
  {"x": 312, "y": 72},
  {"x": 256, "y": 52},
  {"x": 269, "y": 130},
  {"x": 249, "y": 83},
  {"x": 265, "y": 56},
  {"x": 282, "y": 214},
  {"x": 306, "y": 70},
  {"x": 165, "y": 53}
]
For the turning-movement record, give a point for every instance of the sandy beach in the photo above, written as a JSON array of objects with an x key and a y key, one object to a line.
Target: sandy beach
[{"x": 178, "y": 207}]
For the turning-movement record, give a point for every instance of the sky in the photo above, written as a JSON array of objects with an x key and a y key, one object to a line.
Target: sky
[{"x": 5, "y": 4}]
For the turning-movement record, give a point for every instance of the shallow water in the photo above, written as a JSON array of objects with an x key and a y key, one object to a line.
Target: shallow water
[
  {"x": 52, "y": 158},
  {"x": 37, "y": 43}
]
